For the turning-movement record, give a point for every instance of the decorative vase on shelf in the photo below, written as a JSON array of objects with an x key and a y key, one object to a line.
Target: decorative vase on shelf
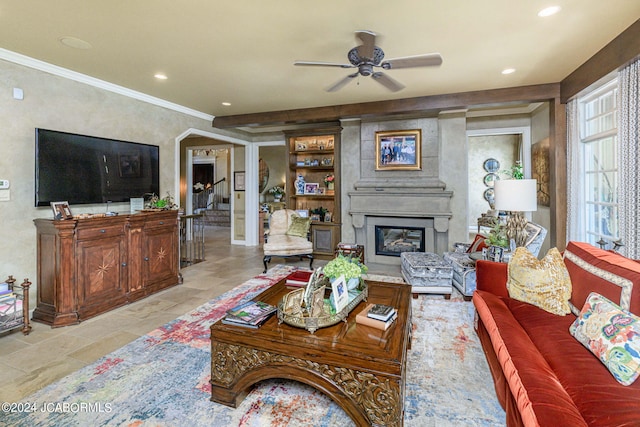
[
  {"x": 277, "y": 198},
  {"x": 299, "y": 183},
  {"x": 330, "y": 186}
]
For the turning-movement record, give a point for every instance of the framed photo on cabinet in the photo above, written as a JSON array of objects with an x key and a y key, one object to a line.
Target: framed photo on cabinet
[
  {"x": 311, "y": 188},
  {"x": 61, "y": 210}
]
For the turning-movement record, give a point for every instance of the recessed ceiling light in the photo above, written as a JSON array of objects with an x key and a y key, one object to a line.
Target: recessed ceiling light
[
  {"x": 508, "y": 71},
  {"x": 74, "y": 42},
  {"x": 160, "y": 76},
  {"x": 548, "y": 11},
  {"x": 226, "y": 104}
]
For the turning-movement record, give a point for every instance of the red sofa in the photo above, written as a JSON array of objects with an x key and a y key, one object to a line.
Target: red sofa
[{"x": 543, "y": 376}]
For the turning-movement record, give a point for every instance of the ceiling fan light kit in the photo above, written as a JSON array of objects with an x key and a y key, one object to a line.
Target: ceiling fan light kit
[{"x": 367, "y": 56}]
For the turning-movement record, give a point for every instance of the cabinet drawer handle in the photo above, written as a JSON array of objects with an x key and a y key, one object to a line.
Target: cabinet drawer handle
[
  {"x": 146, "y": 258},
  {"x": 103, "y": 231},
  {"x": 161, "y": 222},
  {"x": 124, "y": 264}
]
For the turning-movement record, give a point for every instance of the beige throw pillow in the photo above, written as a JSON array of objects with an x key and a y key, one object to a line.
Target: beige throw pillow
[{"x": 544, "y": 283}]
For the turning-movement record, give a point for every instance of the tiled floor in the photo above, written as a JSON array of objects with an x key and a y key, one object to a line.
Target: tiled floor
[{"x": 28, "y": 363}]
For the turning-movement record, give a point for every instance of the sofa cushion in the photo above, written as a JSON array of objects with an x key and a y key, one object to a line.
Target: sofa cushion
[
  {"x": 612, "y": 334},
  {"x": 287, "y": 245},
  {"x": 299, "y": 226},
  {"x": 539, "y": 394},
  {"x": 544, "y": 283},
  {"x": 601, "y": 400},
  {"x": 609, "y": 274}
]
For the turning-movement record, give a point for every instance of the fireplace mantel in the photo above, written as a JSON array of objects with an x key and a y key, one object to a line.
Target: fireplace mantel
[{"x": 394, "y": 201}]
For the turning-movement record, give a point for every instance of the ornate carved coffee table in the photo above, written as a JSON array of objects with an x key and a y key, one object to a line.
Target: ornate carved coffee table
[{"x": 362, "y": 369}]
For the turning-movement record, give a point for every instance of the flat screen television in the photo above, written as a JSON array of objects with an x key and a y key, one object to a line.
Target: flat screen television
[{"x": 84, "y": 169}]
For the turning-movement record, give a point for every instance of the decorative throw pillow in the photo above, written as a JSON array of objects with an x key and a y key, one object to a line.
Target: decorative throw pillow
[
  {"x": 299, "y": 226},
  {"x": 544, "y": 283},
  {"x": 477, "y": 244},
  {"x": 612, "y": 334}
]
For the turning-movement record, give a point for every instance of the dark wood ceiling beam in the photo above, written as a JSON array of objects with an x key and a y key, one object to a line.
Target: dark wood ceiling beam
[
  {"x": 619, "y": 52},
  {"x": 420, "y": 105}
]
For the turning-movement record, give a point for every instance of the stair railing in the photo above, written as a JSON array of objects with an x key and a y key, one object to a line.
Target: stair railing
[
  {"x": 209, "y": 198},
  {"x": 218, "y": 190},
  {"x": 191, "y": 239}
]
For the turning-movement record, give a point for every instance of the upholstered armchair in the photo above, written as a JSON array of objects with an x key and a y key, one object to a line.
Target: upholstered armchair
[
  {"x": 287, "y": 236},
  {"x": 464, "y": 266}
]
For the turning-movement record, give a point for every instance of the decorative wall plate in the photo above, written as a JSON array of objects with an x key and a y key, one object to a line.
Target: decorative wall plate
[
  {"x": 489, "y": 195},
  {"x": 490, "y": 178},
  {"x": 491, "y": 165}
]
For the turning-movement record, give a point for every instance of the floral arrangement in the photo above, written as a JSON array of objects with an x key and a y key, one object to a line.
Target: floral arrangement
[
  {"x": 156, "y": 202},
  {"x": 276, "y": 191},
  {"x": 345, "y": 266},
  {"x": 328, "y": 179}
]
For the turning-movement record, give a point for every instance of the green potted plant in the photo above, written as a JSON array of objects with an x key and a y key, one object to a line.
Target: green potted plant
[
  {"x": 497, "y": 237},
  {"x": 320, "y": 211},
  {"x": 166, "y": 203},
  {"x": 350, "y": 268}
]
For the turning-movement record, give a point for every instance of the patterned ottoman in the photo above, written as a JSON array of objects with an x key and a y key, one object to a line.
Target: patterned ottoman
[
  {"x": 427, "y": 273},
  {"x": 464, "y": 272}
]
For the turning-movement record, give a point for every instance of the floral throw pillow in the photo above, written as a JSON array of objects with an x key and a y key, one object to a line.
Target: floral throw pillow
[
  {"x": 612, "y": 334},
  {"x": 544, "y": 283}
]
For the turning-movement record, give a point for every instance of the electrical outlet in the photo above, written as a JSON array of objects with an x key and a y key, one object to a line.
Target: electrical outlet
[{"x": 4, "y": 184}]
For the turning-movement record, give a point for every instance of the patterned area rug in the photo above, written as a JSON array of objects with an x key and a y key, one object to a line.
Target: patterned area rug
[{"x": 162, "y": 378}]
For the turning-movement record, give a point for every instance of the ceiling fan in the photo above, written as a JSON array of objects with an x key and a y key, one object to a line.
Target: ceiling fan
[{"x": 368, "y": 56}]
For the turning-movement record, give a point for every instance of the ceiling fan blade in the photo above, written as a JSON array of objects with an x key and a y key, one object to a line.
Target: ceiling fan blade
[
  {"x": 428, "y": 60},
  {"x": 341, "y": 83},
  {"x": 322, "y": 64},
  {"x": 388, "y": 82},
  {"x": 368, "y": 39}
]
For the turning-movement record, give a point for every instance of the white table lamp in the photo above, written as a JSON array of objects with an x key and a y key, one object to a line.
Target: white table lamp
[{"x": 516, "y": 196}]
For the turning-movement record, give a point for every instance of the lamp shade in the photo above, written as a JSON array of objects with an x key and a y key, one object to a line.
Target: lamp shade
[{"x": 517, "y": 195}]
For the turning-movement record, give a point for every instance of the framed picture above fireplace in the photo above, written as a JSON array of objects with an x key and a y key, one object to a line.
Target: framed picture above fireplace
[{"x": 398, "y": 150}]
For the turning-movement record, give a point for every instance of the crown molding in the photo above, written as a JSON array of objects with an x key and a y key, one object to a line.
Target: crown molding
[{"x": 27, "y": 61}]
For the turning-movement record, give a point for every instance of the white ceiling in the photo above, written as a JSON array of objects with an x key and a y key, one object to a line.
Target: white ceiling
[{"x": 242, "y": 51}]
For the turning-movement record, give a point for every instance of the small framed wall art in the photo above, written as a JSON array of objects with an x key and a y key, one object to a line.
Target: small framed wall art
[
  {"x": 398, "y": 150},
  {"x": 238, "y": 181}
]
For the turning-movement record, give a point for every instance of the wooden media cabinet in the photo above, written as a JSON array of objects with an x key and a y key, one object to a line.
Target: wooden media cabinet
[{"x": 89, "y": 266}]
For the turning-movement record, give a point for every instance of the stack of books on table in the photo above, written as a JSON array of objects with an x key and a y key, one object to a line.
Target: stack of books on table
[
  {"x": 251, "y": 314},
  {"x": 298, "y": 278},
  {"x": 377, "y": 316}
]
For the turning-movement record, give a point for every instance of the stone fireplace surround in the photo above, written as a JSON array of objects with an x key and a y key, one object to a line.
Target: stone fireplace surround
[{"x": 404, "y": 203}]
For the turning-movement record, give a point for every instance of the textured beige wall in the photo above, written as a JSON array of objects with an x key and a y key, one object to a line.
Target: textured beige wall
[
  {"x": 539, "y": 132},
  {"x": 53, "y": 102},
  {"x": 499, "y": 147},
  {"x": 452, "y": 128}
]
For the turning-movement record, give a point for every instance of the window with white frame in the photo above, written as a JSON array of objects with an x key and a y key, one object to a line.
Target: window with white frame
[{"x": 599, "y": 150}]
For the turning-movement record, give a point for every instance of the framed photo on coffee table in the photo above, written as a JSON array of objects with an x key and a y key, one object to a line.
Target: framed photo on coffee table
[{"x": 340, "y": 294}]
